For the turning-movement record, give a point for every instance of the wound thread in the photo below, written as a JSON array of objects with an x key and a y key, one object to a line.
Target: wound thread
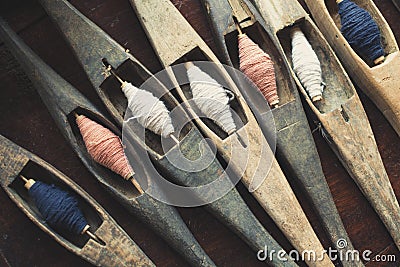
[
  {"x": 258, "y": 67},
  {"x": 150, "y": 112},
  {"x": 59, "y": 208},
  {"x": 360, "y": 31},
  {"x": 306, "y": 65},
  {"x": 104, "y": 146},
  {"x": 211, "y": 98}
]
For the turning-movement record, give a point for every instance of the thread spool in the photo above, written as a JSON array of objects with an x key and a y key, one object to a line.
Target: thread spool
[
  {"x": 306, "y": 65},
  {"x": 257, "y": 66},
  {"x": 59, "y": 208},
  {"x": 150, "y": 112},
  {"x": 361, "y": 31},
  {"x": 106, "y": 148},
  {"x": 211, "y": 98}
]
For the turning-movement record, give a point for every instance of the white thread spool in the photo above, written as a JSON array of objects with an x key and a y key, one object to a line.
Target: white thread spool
[
  {"x": 211, "y": 98},
  {"x": 150, "y": 112},
  {"x": 306, "y": 65}
]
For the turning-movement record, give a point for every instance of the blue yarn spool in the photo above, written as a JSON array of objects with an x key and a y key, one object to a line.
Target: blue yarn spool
[
  {"x": 360, "y": 31},
  {"x": 59, "y": 209}
]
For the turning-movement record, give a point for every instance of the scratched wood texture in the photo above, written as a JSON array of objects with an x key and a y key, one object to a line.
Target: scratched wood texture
[{"x": 25, "y": 120}]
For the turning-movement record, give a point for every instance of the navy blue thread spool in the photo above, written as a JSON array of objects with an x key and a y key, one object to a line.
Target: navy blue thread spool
[
  {"x": 361, "y": 32},
  {"x": 59, "y": 208}
]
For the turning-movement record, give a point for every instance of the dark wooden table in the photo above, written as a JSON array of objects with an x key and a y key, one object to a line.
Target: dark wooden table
[{"x": 25, "y": 120}]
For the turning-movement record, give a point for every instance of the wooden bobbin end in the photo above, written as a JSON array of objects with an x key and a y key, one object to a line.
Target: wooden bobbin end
[
  {"x": 189, "y": 64},
  {"x": 237, "y": 24},
  {"x": 136, "y": 184},
  {"x": 85, "y": 229},
  {"x": 379, "y": 60},
  {"x": 294, "y": 29},
  {"x": 92, "y": 235},
  {"x": 123, "y": 83},
  {"x": 274, "y": 103},
  {"x": 77, "y": 115},
  {"x": 28, "y": 182},
  {"x": 113, "y": 73},
  {"x": 317, "y": 98}
]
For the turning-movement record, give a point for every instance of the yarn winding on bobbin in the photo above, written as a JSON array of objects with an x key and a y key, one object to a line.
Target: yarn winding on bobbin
[
  {"x": 149, "y": 111},
  {"x": 59, "y": 208},
  {"x": 211, "y": 98},
  {"x": 306, "y": 65},
  {"x": 361, "y": 31},
  {"x": 106, "y": 148},
  {"x": 258, "y": 67}
]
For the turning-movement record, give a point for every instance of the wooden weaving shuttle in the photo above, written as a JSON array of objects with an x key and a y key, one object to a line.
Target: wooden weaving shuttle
[
  {"x": 62, "y": 101},
  {"x": 230, "y": 209},
  {"x": 295, "y": 144},
  {"x": 115, "y": 248},
  {"x": 175, "y": 41},
  {"x": 381, "y": 83},
  {"x": 341, "y": 114}
]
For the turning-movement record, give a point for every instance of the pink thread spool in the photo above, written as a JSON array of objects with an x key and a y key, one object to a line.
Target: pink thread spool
[
  {"x": 105, "y": 148},
  {"x": 259, "y": 68}
]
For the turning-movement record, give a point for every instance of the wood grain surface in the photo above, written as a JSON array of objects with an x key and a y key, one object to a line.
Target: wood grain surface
[{"x": 25, "y": 120}]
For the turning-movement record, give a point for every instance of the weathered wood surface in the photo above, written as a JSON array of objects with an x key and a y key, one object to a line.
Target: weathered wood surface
[
  {"x": 62, "y": 100},
  {"x": 25, "y": 119},
  {"x": 173, "y": 38},
  {"x": 119, "y": 249},
  {"x": 295, "y": 145},
  {"x": 230, "y": 209},
  {"x": 341, "y": 114},
  {"x": 382, "y": 82}
]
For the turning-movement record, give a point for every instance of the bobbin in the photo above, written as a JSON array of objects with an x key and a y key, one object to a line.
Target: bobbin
[
  {"x": 306, "y": 57},
  {"x": 30, "y": 182},
  {"x": 256, "y": 79},
  {"x": 115, "y": 242},
  {"x": 110, "y": 70},
  {"x": 129, "y": 176},
  {"x": 378, "y": 60}
]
